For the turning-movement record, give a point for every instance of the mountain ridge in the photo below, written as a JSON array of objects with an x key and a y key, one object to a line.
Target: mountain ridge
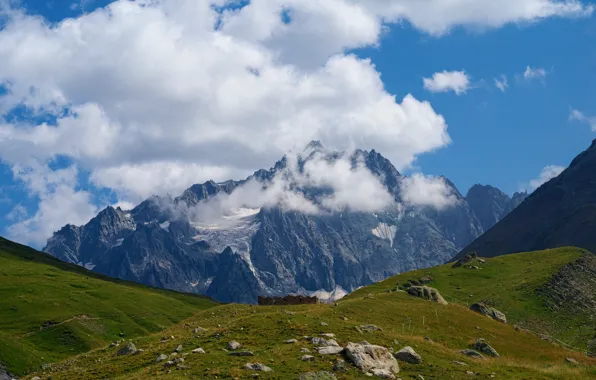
[
  {"x": 161, "y": 243},
  {"x": 561, "y": 212}
]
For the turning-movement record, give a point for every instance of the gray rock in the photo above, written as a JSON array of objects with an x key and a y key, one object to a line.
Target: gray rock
[
  {"x": 307, "y": 358},
  {"x": 465, "y": 259},
  {"x": 482, "y": 346},
  {"x": 241, "y": 353},
  {"x": 571, "y": 361},
  {"x": 472, "y": 354},
  {"x": 169, "y": 363},
  {"x": 370, "y": 328},
  {"x": 330, "y": 350},
  {"x": 488, "y": 311},
  {"x": 36, "y": 378},
  {"x": 304, "y": 350},
  {"x": 459, "y": 363},
  {"x": 129, "y": 349},
  {"x": 382, "y": 373},
  {"x": 161, "y": 358},
  {"x": 328, "y": 335},
  {"x": 369, "y": 357},
  {"x": 408, "y": 355},
  {"x": 322, "y": 375},
  {"x": 324, "y": 342},
  {"x": 428, "y": 293},
  {"x": 291, "y": 341},
  {"x": 198, "y": 351},
  {"x": 257, "y": 367},
  {"x": 199, "y": 330},
  {"x": 233, "y": 345},
  {"x": 178, "y": 349}
]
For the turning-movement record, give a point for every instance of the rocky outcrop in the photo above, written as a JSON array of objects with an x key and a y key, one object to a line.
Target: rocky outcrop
[
  {"x": 368, "y": 357},
  {"x": 488, "y": 311},
  {"x": 482, "y": 346},
  {"x": 408, "y": 355},
  {"x": 561, "y": 212},
  {"x": 427, "y": 293},
  {"x": 467, "y": 258}
]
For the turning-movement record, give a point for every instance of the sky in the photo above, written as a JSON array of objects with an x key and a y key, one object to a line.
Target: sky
[{"x": 108, "y": 102}]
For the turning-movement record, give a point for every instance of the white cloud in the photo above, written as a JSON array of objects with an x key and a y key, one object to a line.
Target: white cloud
[
  {"x": 420, "y": 190},
  {"x": 577, "y": 115},
  {"x": 157, "y": 95},
  {"x": 534, "y": 73},
  {"x": 502, "y": 83},
  {"x": 18, "y": 213},
  {"x": 456, "y": 81},
  {"x": 547, "y": 173},
  {"x": 59, "y": 202}
]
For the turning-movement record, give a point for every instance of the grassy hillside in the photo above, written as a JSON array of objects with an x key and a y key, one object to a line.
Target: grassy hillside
[
  {"x": 514, "y": 284},
  {"x": 50, "y": 310},
  {"x": 436, "y": 332}
]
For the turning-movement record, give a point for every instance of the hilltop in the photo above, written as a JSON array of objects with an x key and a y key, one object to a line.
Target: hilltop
[
  {"x": 50, "y": 310},
  {"x": 539, "y": 340}
]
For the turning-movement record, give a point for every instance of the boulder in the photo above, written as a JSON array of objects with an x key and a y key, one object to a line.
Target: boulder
[
  {"x": 129, "y": 349},
  {"x": 199, "y": 330},
  {"x": 330, "y": 350},
  {"x": 482, "y": 346},
  {"x": 489, "y": 312},
  {"x": 233, "y": 345},
  {"x": 370, "y": 328},
  {"x": 178, "y": 349},
  {"x": 472, "y": 354},
  {"x": 324, "y": 342},
  {"x": 307, "y": 358},
  {"x": 368, "y": 357},
  {"x": 571, "y": 361},
  {"x": 408, "y": 355},
  {"x": 304, "y": 350},
  {"x": 161, "y": 358},
  {"x": 322, "y": 375},
  {"x": 427, "y": 293},
  {"x": 382, "y": 373},
  {"x": 464, "y": 260},
  {"x": 257, "y": 367},
  {"x": 291, "y": 341},
  {"x": 198, "y": 351}
]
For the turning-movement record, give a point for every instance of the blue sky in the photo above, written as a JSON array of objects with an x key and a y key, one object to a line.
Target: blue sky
[{"x": 106, "y": 89}]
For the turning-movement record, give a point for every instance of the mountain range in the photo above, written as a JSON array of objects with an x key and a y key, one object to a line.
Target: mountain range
[{"x": 189, "y": 244}]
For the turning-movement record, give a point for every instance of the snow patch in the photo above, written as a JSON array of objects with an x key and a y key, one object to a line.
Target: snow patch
[
  {"x": 234, "y": 229},
  {"x": 385, "y": 231},
  {"x": 88, "y": 266},
  {"x": 118, "y": 242},
  {"x": 165, "y": 225}
]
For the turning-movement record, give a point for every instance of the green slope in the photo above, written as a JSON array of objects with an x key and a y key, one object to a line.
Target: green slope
[
  {"x": 50, "y": 310},
  {"x": 515, "y": 285},
  {"x": 436, "y": 332}
]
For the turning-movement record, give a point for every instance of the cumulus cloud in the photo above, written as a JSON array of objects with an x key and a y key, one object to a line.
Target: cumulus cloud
[
  {"x": 502, "y": 83},
  {"x": 152, "y": 95},
  {"x": 59, "y": 202},
  {"x": 577, "y": 115},
  {"x": 534, "y": 73},
  {"x": 456, "y": 81},
  {"x": 421, "y": 190},
  {"x": 547, "y": 173}
]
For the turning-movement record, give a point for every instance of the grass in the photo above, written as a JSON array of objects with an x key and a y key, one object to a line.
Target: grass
[
  {"x": 436, "y": 332},
  {"x": 509, "y": 284},
  {"x": 50, "y": 311}
]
